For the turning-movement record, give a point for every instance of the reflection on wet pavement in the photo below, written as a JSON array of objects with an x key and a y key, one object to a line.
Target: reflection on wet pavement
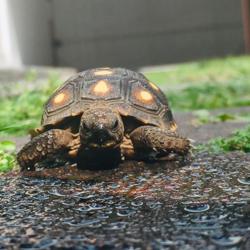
[{"x": 202, "y": 205}]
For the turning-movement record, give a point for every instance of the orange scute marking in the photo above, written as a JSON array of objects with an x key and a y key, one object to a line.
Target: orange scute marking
[
  {"x": 101, "y": 88},
  {"x": 153, "y": 86},
  {"x": 103, "y": 72},
  {"x": 145, "y": 96},
  {"x": 59, "y": 98}
]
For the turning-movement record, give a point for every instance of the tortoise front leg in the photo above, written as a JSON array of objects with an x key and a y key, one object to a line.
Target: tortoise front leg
[
  {"x": 152, "y": 143},
  {"x": 45, "y": 146}
]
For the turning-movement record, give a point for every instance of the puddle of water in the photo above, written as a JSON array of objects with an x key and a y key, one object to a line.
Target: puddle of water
[
  {"x": 244, "y": 180},
  {"x": 199, "y": 206}
]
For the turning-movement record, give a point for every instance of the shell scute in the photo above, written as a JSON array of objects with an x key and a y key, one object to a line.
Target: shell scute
[
  {"x": 62, "y": 98},
  {"x": 101, "y": 90},
  {"x": 143, "y": 97}
]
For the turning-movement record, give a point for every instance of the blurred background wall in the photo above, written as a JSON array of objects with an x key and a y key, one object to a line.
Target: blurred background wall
[
  {"x": 131, "y": 33},
  {"x": 31, "y": 27}
]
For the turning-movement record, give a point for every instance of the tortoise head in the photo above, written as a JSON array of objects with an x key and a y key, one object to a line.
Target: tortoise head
[{"x": 101, "y": 127}]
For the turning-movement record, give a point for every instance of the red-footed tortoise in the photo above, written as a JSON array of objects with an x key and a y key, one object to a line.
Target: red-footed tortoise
[{"x": 105, "y": 115}]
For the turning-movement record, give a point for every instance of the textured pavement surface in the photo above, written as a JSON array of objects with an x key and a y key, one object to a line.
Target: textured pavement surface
[{"x": 203, "y": 205}]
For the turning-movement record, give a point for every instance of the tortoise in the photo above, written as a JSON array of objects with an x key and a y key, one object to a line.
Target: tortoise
[{"x": 102, "y": 116}]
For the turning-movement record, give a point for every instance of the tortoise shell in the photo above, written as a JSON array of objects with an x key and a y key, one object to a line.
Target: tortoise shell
[{"x": 128, "y": 92}]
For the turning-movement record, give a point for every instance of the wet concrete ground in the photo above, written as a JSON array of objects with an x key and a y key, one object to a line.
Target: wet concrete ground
[{"x": 203, "y": 205}]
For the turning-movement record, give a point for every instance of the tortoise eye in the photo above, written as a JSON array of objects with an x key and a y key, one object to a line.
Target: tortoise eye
[
  {"x": 115, "y": 125},
  {"x": 85, "y": 127}
]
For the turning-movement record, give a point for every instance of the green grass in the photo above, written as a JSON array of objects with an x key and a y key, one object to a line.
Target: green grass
[
  {"x": 7, "y": 156},
  {"x": 204, "y": 116},
  {"x": 240, "y": 140},
  {"x": 222, "y": 70},
  {"x": 211, "y": 96},
  {"x": 19, "y": 114},
  {"x": 210, "y": 84}
]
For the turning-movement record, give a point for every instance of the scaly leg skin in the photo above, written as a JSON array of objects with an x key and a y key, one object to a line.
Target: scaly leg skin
[
  {"x": 45, "y": 146},
  {"x": 152, "y": 143}
]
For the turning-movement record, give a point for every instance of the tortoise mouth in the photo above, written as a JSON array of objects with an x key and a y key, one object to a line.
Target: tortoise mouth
[{"x": 101, "y": 138}]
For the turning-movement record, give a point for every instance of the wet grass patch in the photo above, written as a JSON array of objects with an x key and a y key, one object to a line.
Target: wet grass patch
[
  {"x": 19, "y": 114},
  {"x": 204, "y": 116},
  {"x": 220, "y": 70},
  {"x": 7, "y": 156},
  {"x": 211, "y": 96},
  {"x": 239, "y": 140}
]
